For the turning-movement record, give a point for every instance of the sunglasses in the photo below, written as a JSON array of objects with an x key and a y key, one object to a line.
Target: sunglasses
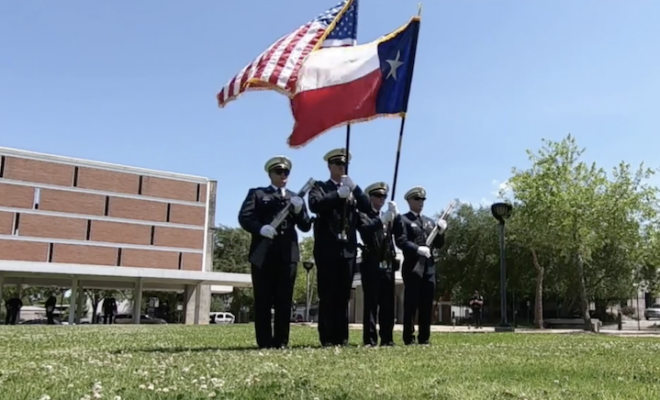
[
  {"x": 339, "y": 163},
  {"x": 379, "y": 195},
  {"x": 419, "y": 198},
  {"x": 281, "y": 171}
]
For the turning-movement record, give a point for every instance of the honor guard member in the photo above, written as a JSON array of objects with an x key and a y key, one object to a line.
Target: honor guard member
[
  {"x": 273, "y": 281},
  {"x": 377, "y": 267},
  {"x": 336, "y": 203},
  {"x": 410, "y": 233}
]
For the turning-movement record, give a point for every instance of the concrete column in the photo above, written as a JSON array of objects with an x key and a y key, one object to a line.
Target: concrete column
[
  {"x": 79, "y": 304},
  {"x": 19, "y": 294},
  {"x": 137, "y": 302},
  {"x": 2, "y": 303},
  {"x": 72, "y": 301}
]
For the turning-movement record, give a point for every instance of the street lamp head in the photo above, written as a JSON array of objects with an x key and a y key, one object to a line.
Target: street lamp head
[
  {"x": 308, "y": 265},
  {"x": 501, "y": 211}
]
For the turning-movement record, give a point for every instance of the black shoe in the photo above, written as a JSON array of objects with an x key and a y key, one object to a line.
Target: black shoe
[
  {"x": 387, "y": 344},
  {"x": 425, "y": 343}
]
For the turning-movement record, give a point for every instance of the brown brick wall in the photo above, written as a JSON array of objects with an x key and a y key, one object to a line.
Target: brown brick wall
[
  {"x": 108, "y": 181},
  {"x": 117, "y": 232},
  {"x": 71, "y": 202},
  {"x": 16, "y": 196},
  {"x": 189, "y": 215},
  {"x": 137, "y": 209},
  {"x": 81, "y": 254},
  {"x": 22, "y": 169},
  {"x": 23, "y": 251},
  {"x": 6, "y": 223},
  {"x": 149, "y": 259},
  {"x": 178, "y": 237},
  {"x": 192, "y": 262},
  {"x": 169, "y": 189},
  {"x": 46, "y": 226}
]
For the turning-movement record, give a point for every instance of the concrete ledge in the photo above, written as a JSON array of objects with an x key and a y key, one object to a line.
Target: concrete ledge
[{"x": 503, "y": 329}]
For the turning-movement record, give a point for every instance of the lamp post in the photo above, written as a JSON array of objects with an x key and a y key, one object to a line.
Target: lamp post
[
  {"x": 502, "y": 212},
  {"x": 308, "y": 265}
]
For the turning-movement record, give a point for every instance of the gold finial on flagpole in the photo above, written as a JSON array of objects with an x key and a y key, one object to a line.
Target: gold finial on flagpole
[{"x": 419, "y": 9}]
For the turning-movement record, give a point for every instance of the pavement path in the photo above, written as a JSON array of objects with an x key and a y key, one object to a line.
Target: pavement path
[{"x": 606, "y": 330}]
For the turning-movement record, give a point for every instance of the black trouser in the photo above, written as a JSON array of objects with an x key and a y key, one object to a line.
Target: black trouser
[
  {"x": 12, "y": 316},
  {"x": 335, "y": 281},
  {"x": 477, "y": 317},
  {"x": 418, "y": 296},
  {"x": 273, "y": 288},
  {"x": 108, "y": 318},
  {"x": 50, "y": 316},
  {"x": 378, "y": 290}
]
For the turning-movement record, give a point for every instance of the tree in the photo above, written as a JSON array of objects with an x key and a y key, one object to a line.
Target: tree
[
  {"x": 232, "y": 247},
  {"x": 574, "y": 219}
]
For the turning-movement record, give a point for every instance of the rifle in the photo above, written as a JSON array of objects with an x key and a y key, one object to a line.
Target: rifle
[
  {"x": 388, "y": 252},
  {"x": 259, "y": 254},
  {"x": 421, "y": 262}
]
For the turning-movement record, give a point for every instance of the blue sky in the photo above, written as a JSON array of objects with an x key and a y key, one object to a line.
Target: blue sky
[{"x": 134, "y": 82}]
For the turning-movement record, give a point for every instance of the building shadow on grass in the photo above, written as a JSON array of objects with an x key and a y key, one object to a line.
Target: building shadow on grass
[{"x": 185, "y": 349}]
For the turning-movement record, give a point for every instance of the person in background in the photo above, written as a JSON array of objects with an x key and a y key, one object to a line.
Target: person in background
[
  {"x": 476, "y": 304},
  {"x": 109, "y": 310},
  {"x": 51, "y": 302},
  {"x": 13, "y": 307}
]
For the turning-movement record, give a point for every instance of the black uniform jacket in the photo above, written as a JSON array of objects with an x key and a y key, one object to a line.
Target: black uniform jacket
[
  {"x": 375, "y": 248},
  {"x": 260, "y": 207},
  {"x": 325, "y": 202},
  {"x": 410, "y": 232}
]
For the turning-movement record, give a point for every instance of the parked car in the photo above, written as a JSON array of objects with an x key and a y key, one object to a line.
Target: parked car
[
  {"x": 222, "y": 318},
  {"x": 144, "y": 319},
  {"x": 652, "y": 312}
]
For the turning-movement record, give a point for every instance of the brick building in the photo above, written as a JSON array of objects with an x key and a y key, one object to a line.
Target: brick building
[{"x": 84, "y": 224}]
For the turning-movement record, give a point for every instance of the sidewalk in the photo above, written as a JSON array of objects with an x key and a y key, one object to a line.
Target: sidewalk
[{"x": 605, "y": 330}]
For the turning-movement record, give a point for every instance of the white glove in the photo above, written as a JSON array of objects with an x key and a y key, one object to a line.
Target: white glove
[
  {"x": 297, "y": 204},
  {"x": 387, "y": 217},
  {"x": 344, "y": 191},
  {"x": 391, "y": 206},
  {"x": 268, "y": 231},
  {"x": 424, "y": 251},
  {"x": 347, "y": 181},
  {"x": 442, "y": 225}
]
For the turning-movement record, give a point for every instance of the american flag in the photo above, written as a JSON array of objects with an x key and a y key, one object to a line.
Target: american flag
[{"x": 277, "y": 67}]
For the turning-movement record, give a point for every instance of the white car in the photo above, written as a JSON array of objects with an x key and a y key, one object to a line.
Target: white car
[
  {"x": 222, "y": 318},
  {"x": 652, "y": 312}
]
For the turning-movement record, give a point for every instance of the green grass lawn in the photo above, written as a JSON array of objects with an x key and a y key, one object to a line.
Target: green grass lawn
[{"x": 201, "y": 362}]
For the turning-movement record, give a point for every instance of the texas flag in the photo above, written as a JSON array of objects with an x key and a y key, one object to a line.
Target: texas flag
[{"x": 344, "y": 85}]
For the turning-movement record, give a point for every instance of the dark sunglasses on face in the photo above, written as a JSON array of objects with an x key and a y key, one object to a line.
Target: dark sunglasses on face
[
  {"x": 419, "y": 198},
  {"x": 379, "y": 195},
  {"x": 281, "y": 171},
  {"x": 338, "y": 163}
]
